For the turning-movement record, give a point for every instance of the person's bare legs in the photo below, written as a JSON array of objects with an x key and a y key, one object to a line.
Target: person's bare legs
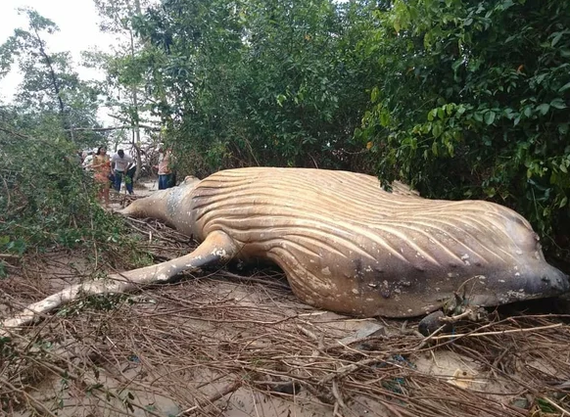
[
  {"x": 100, "y": 193},
  {"x": 106, "y": 195},
  {"x": 103, "y": 194}
]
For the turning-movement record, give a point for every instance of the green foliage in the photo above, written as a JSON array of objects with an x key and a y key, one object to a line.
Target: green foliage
[
  {"x": 258, "y": 82},
  {"x": 462, "y": 99},
  {"x": 48, "y": 201},
  {"x": 474, "y": 102}
]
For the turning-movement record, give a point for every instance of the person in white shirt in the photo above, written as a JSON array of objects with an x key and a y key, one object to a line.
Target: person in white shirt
[{"x": 121, "y": 164}]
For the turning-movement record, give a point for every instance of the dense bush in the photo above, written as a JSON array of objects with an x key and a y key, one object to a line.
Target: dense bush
[
  {"x": 252, "y": 82},
  {"x": 48, "y": 201},
  {"x": 473, "y": 103}
]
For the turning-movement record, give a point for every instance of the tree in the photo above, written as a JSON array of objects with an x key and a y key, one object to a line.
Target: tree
[
  {"x": 50, "y": 85},
  {"x": 125, "y": 72},
  {"x": 47, "y": 200},
  {"x": 250, "y": 82}
]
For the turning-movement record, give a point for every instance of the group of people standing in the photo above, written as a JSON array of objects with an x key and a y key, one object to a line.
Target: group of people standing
[{"x": 109, "y": 171}]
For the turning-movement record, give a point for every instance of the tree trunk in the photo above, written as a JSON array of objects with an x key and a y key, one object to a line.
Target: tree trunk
[
  {"x": 65, "y": 122},
  {"x": 136, "y": 131}
]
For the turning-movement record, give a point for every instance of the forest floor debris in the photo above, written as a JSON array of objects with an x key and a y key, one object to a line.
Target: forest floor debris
[{"x": 236, "y": 342}]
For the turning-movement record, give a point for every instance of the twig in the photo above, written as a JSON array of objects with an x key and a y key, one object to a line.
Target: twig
[
  {"x": 35, "y": 403},
  {"x": 105, "y": 129},
  {"x": 455, "y": 319},
  {"x": 337, "y": 395},
  {"x": 227, "y": 390},
  {"x": 11, "y": 132},
  {"x": 552, "y": 403},
  {"x": 532, "y": 329},
  {"x": 7, "y": 193},
  {"x": 253, "y": 279}
]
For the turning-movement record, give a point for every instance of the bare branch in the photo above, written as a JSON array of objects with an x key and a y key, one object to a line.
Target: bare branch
[
  {"x": 11, "y": 132},
  {"x": 105, "y": 129}
]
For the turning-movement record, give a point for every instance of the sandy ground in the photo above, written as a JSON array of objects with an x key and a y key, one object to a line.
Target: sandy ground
[{"x": 130, "y": 371}]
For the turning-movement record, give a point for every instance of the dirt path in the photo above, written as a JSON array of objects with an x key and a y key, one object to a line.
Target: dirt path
[{"x": 141, "y": 189}]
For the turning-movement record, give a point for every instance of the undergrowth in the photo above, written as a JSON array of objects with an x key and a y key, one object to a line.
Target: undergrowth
[{"x": 48, "y": 202}]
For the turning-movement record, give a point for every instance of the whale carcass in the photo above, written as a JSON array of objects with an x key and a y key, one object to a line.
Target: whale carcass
[{"x": 344, "y": 243}]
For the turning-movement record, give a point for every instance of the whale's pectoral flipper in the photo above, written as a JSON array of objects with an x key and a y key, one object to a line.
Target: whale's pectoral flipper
[{"x": 217, "y": 247}]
